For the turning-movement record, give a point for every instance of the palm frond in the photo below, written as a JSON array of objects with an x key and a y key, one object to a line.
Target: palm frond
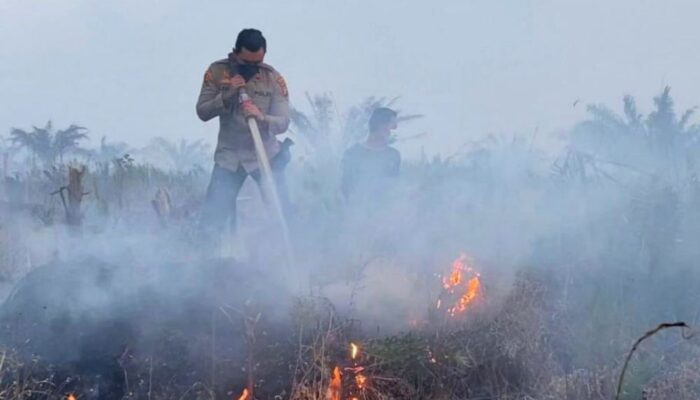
[
  {"x": 634, "y": 118},
  {"x": 663, "y": 118},
  {"x": 685, "y": 118}
]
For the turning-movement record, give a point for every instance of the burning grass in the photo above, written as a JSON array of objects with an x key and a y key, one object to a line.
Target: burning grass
[
  {"x": 512, "y": 350},
  {"x": 602, "y": 256},
  {"x": 470, "y": 344},
  {"x": 464, "y": 283},
  {"x": 509, "y": 349}
]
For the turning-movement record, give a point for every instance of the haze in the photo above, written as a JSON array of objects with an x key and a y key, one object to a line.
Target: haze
[{"x": 132, "y": 70}]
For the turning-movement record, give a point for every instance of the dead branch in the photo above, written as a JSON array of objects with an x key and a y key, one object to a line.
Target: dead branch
[{"x": 659, "y": 328}]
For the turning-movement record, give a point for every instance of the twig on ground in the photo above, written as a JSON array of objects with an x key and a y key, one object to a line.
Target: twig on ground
[{"x": 660, "y": 327}]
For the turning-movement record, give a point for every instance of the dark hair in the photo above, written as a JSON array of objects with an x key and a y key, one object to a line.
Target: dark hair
[
  {"x": 250, "y": 39},
  {"x": 380, "y": 116}
]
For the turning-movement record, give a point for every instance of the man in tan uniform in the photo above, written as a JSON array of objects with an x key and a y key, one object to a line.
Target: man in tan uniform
[{"x": 235, "y": 156}]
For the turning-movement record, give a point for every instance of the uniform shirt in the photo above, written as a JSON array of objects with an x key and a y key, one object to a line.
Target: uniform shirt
[
  {"x": 267, "y": 90},
  {"x": 368, "y": 171}
]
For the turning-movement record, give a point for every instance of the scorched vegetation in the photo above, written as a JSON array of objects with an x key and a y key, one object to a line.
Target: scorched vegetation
[{"x": 501, "y": 271}]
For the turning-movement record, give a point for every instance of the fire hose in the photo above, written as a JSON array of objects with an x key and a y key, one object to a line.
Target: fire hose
[{"x": 268, "y": 184}]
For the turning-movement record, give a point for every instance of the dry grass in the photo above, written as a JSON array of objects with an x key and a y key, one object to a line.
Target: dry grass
[
  {"x": 523, "y": 347},
  {"x": 681, "y": 383},
  {"x": 498, "y": 351},
  {"x": 14, "y": 256}
]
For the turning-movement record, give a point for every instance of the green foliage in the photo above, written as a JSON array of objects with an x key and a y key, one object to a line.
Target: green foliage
[
  {"x": 408, "y": 350},
  {"x": 354, "y": 128},
  {"x": 604, "y": 259},
  {"x": 328, "y": 132},
  {"x": 315, "y": 128},
  {"x": 182, "y": 155},
  {"x": 660, "y": 144},
  {"x": 49, "y": 145},
  {"x": 109, "y": 151}
]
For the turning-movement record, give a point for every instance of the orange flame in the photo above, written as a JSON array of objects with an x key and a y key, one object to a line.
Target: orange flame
[
  {"x": 71, "y": 396},
  {"x": 335, "y": 386},
  {"x": 455, "y": 278},
  {"x": 244, "y": 395},
  {"x": 354, "y": 350},
  {"x": 456, "y": 281}
]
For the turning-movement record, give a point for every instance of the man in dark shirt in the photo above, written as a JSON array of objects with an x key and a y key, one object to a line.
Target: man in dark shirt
[{"x": 370, "y": 167}]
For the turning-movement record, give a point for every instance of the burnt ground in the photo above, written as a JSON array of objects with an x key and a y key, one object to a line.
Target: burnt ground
[{"x": 110, "y": 331}]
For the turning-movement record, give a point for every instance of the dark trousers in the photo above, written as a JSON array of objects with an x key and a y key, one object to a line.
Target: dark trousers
[{"x": 220, "y": 203}]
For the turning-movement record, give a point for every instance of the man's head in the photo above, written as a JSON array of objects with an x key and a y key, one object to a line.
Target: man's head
[
  {"x": 251, "y": 46},
  {"x": 382, "y": 122}
]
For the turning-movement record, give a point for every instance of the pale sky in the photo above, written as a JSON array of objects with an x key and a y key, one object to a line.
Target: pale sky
[{"x": 132, "y": 69}]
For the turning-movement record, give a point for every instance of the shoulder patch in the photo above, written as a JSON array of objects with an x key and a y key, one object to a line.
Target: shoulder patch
[
  {"x": 217, "y": 73},
  {"x": 208, "y": 76},
  {"x": 282, "y": 84}
]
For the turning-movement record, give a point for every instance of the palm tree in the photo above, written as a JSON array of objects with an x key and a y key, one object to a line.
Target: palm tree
[
  {"x": 354, "y": 128},
  {"x": 658, "y": 154},
  {"x": 68, "y": 140},
  {"x": 47, "y": 145},
  {"x": 183, "y": 155},
  {"x": 4, "y": 148},
  {"x": 4, "y": 156},
  {"x": 327, "y": 132},
  {"x": 317, "y": 128},
  {"x": 37, "y": 141},
  {"x": 109, "y": 151},
  {"x": 660, "y": 144}
]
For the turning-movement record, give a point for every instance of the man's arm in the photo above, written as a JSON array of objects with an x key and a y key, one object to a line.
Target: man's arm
[
  {"x": 277, "y": 117},
  {"x": 211, "y": 101}
]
